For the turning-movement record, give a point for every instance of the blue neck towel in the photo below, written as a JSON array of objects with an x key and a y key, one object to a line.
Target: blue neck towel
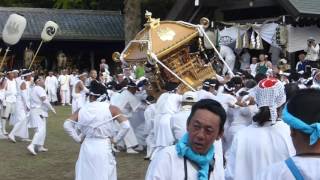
[{"x": 203, "y": 161}]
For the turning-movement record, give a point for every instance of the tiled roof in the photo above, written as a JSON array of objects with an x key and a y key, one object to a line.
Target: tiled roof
[
  {"x": 77, "y": 25},
  {"x": 302, "y": 7}
]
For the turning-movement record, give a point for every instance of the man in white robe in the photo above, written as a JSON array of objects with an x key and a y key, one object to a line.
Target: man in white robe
[
  {"x": 266, "y": 141},
  {"x": 8, "y": 105},
  {"x": 39, "y": 114},
  {"x": 229, "y": 57},
  {"x": 209, "y": 89},
  {"x": 128, "y": 103},
  {"x": 79, "y": 92},
  {"x": 302, "y": 114},
  {"x": 149, "y": 115},
  {"x": 179, "y": 119},
  {"x": 168, "y": 104},
  {"x": 96, "y": 121},
  {"x": 52, "y": 84},
  {"x": 2, "y": 97},
  {"x": 193, "y": 156},
  {"x": 22, "y": 111},
  {"x": 179, "y": 128},
  {"x": 64, "y": 82}
]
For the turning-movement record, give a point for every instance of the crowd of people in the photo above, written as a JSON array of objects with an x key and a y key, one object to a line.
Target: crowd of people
[
  {"x": 260, "y": 123},
  {"x": 246, "y": 126},
  {"x": 24, "y": 103}
]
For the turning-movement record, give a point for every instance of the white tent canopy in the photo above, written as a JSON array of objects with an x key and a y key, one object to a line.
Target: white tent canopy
[{"x": 267, "y": 32}]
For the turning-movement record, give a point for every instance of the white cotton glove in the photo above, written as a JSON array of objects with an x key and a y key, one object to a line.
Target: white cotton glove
[
  {"x": 69, "y": 128},
  {"x": 124, "y": 128}
]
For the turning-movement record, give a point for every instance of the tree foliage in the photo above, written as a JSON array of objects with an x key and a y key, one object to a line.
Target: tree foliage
[
  {"x": 89, "y": 4},
  {"x": 27, "y": 3}
]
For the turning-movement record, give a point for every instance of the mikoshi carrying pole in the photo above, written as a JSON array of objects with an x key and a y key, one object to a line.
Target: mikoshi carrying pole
[
  {"x": 34, "y": 57},
  {"x": 215, "y": 49},
  {"x": 12, "y": 32},
  {"x": 48, "y": 32},
  {"x": 4, "y": 57}
]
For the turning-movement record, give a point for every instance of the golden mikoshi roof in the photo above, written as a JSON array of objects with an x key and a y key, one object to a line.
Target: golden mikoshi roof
[{"x": 160, "y": 37}]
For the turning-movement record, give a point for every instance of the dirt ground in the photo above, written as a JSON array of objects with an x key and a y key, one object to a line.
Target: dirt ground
[{"x": 58, "y": 163}]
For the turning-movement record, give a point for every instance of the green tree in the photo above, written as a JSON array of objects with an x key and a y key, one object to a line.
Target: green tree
[{"x": 27, "y": 3}]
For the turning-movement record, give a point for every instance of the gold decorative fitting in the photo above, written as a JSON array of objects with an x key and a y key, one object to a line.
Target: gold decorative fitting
[
  {"x": 116, "y": 57},
  {"x": 166, "y": 34},
  {"x": 205, "y": 22},
  {"x": 151, "y": 22}
]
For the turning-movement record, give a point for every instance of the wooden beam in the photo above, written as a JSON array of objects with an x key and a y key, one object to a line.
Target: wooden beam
[{"x": 238, "y": 4}]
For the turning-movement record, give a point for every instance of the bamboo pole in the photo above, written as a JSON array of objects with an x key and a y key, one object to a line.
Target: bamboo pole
[
  {"x": 4, "y": 57},
  {"x": 34, "y": 57}
]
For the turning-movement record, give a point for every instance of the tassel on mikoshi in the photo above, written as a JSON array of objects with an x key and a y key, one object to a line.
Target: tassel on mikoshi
[
  {"x": 259, "y": 42},
  {"x": 217, "y": 43},
  {"x": 239, "y": 40},
  {"x": 252, "y": 41},
  {"x": 245, "y": 40}
]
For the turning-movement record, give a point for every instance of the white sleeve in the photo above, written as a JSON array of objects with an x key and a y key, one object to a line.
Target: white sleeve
[
  {"x": 124, "y": 128},
  {"x": 25, "y": 98},
  {"x": 69, "y": 128},
  {"x": 46, "y": 84},
  {"x": 315, "y": 49},
  {"x": 42, "y": 93},
  {"x": 297, "y": 66}
]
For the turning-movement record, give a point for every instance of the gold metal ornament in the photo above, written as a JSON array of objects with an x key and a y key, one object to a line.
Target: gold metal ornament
[
  {"x": 116, "y": 57},
  {"x": 205, "y": 22}
]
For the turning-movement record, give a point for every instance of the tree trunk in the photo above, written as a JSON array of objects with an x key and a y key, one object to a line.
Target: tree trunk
[{"x": 132, "y": 19}]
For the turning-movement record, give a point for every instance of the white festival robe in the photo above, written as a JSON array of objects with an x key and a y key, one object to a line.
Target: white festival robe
[
  {"x": 149, "y": 115},
  {"x": 128, "y": 104},
  {"x": 39, "y": 115},
  {"x": 64, "y": 81},
  {"x": 78, "y": 99},
  {"x": 229, "y": 57},
  {"x": 241, "y": 118},
  {"x": 51, "y": 84},
  {"x": 166, "y": 106},
  {"x": 22, "y": 113},
  {"x": 168, "y": 166},
  {"x": 96, "y": 161},
  {"x": 254, "y": 148},
  {"x": 308, "y": 167}
]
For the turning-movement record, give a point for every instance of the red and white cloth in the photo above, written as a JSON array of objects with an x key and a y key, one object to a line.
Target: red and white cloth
[{"x": 270, "y": 92}]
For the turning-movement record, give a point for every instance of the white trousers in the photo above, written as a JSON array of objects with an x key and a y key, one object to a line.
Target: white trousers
[
  {"x": 40, "y": 132},
  {"x": 130, "y": 139},
  {"x": 65, "y": 96},
  {"x": 20, "y": 129},
  {"x": 52, "y": 95}
]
